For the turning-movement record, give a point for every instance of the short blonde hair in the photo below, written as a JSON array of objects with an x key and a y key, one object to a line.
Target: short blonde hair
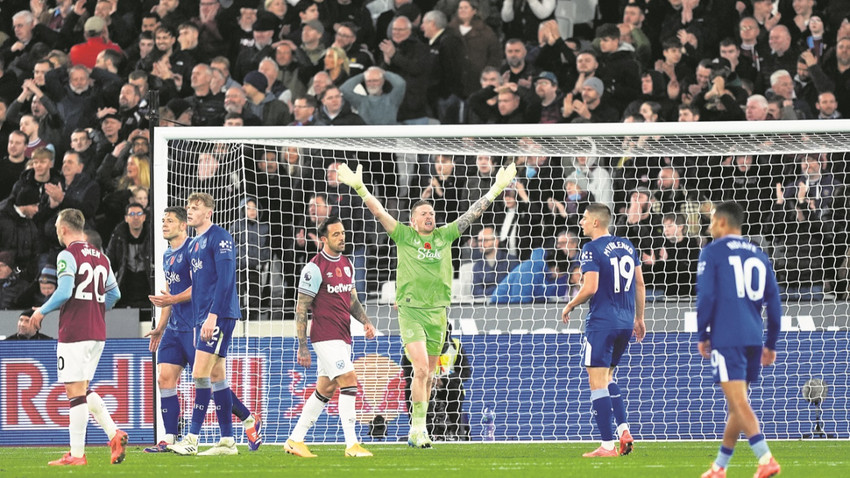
[
  {"x": 203, "y": 198},
  {"x": 73, "y": 219}
]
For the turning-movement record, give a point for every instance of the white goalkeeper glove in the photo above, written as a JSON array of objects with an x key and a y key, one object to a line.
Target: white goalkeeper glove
[
  {"x": 353, "y": 179},
  {"x": 503, "y": 179}
]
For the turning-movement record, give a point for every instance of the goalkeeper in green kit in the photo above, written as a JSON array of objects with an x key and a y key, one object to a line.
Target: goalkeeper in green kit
[{"x": 423, "y": 282}]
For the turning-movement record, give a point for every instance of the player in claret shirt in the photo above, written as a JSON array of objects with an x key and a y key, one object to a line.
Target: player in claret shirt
[
  {"x": 735, "y": 280},
  {"x": 86, "y": 290},
  {"x": 423, "y": 282},
  {"x": 327, "y": 288},
  {"x": 612, "y": 281}
]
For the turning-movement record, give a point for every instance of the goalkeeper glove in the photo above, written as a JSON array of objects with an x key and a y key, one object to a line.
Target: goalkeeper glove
[
  {"x": 503, "y": 178},
  {"x": 353, "y": 179}
]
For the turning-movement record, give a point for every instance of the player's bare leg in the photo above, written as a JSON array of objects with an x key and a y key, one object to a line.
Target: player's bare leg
[
  {"x": 420, "y": 392},
  {"x": 601, "y": 400},
  {"x": 742, "y": 419}
]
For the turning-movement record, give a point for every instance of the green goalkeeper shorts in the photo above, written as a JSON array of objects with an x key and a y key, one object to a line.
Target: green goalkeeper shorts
[{"x": 423, "y": 325}]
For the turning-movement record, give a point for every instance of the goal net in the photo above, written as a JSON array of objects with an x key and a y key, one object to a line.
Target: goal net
[{"x": 515, "y": 268}]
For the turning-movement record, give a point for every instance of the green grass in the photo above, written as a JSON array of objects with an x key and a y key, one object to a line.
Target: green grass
[{"x": 669, "y": 459}]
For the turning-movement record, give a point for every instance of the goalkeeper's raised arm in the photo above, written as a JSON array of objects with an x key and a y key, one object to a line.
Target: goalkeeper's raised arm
[
  {"x": 354, "y": 179},
  {"x": 504, "y": 177}
]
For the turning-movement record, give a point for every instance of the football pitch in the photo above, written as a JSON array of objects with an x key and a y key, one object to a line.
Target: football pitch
[{"x": 661, "y": 459}]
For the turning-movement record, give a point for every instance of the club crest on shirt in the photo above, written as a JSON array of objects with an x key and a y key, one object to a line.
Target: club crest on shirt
[
  {"x": 417, "y": 241},
  {"x": 180, "y": 258},
  {"x": 203, "y": 243},
  {"x": 340, "y": 364},
  {"x": 347, "y": 271}
]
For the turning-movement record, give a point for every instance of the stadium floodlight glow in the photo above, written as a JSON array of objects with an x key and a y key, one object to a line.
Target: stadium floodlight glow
[{"x": 525, "y": 365}]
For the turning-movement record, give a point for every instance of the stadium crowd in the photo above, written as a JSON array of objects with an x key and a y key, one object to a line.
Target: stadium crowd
[{"x": 74, "y": 114}]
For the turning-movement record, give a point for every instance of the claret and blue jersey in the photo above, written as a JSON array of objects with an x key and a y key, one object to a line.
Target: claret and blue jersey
[{"x": 615, "y": 259}]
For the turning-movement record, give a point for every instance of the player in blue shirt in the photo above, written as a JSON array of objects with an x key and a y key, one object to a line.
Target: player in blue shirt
[
  {"x": 214, "y": 297},
  {"x": 612, "y": 281},
  {"x": 734, "y": 281},
  {"x": 174, "y": 337}
]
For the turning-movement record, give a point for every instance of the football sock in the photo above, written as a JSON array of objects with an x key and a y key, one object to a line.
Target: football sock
[
  {"x": 239, "y": 408},
  {"x": 760, "y": 448},
  {"x": 347, "y": 414},
  {"x": 202, "y": 401},
  {"x": 602, "y": 412},
  {"x": 417, "y": 420},
  {"x": 723, "y": 457},
  {"x": 100, "y": 413},
  {"x": 170, "y": 408},
  {"x": 223, "y": 398},
  {"x": 311, "y": 411},
  {"x": 78, "y": 419},
  {"x": 617, "y": 405}
]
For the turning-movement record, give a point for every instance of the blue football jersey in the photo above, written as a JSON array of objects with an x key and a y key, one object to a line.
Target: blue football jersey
[
  {"x": 613, "y": 304},
  {"x": 734, "y": 281},
  {"x": 176, "y": 265},
  {"x": 214, "y": 275}
]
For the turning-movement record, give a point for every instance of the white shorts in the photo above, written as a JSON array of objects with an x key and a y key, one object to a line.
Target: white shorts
[
  {"x": 334, "y": 357},
  {"x": 77, "y": 361}
]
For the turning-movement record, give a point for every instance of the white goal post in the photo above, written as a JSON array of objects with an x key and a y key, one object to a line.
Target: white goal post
[{"x": 525, "y": 381}]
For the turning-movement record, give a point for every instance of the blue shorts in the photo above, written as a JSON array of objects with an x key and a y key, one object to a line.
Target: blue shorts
[
  {"x": 736, "y": 363},
  {"x": 604, "y": 348},
  {"x": 177, "y": 347},
  {"x": 220, "y": 341}
]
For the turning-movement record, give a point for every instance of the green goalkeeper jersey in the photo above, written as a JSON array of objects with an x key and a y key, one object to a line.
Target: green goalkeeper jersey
[{"x": 424, "y": 274}]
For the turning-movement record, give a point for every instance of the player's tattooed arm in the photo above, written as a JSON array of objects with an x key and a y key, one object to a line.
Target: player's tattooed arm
[
  {"x": 357, "y": 310},
  {"x": 303, "y": 305},
  {"x": 474, "y": 212}
]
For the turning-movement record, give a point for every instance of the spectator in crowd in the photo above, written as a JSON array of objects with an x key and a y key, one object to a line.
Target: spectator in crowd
[
  {"x": 14, "y": 163},
  {"x": 29, "y": 125},
  {"x": 39, "y": 291},
  {"x": 358, "y": 53},
  {"x": 513, "y": 105},
  {"x": 597, "y": 179},
  {"x": 43, "y": 112},
  {"x": 25, "y": 330},
  {"x": 234, "y": 103},
  {"x": 782, "y": 87},
  {"x": 264, "y": 105},
  {"x": 591, "y": 107},
  {"x": 670, "y": 195},
  {"x": 568, "y": 206},
  {"x": 827, "y": 106},
  {"x": 554, "y": 55},
  {"x": 512, "y": 220},
  {"x": 117, "y": 196},
  {"x": 253, "y": 250},
  {"x": 653, "y": 88},
  {"x": 618, "y": 67},
  {"x": 336, "y": 65},
  {"x": 304, "y": 110},
  {"x": 447, "y": 54},
  {"x": 372, "y": 102},
  {"x": 129, "y": 251},
  {"x": 289, "y": 68},
  {"x": 522, "y": 19},
  {"x": 543, "y": 277},
  {"x": 335, "y": 111},
  {"x": 493, "y": 265},
  {"x": 673, "y": 265},
  {"x": 756, "y": 109},
  {"x": 96, "y": 41},
  {"x": 743, "y": 69},
  {"x": 77, "y": 190},
  {"x": 446, "y": 189},
  {"x": 249, "y": 56},
  {"x": 207, "y": 106},
  {"x": 551, "y": 98},
  {"x": 481, "y": 45},
  {"x": 19, "y": 233},
  {"x": 28, "y": 33},
  {"x": 408, "y": 57},
  {"x": 515, "y": 68},
  {"x": 11, "y": 284},
  {"x": 783, "y": 54},
  {"x": 639, "y": 223},
  {"x": 837, "y": 69},
  {"x": 311, "y": 48}
]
